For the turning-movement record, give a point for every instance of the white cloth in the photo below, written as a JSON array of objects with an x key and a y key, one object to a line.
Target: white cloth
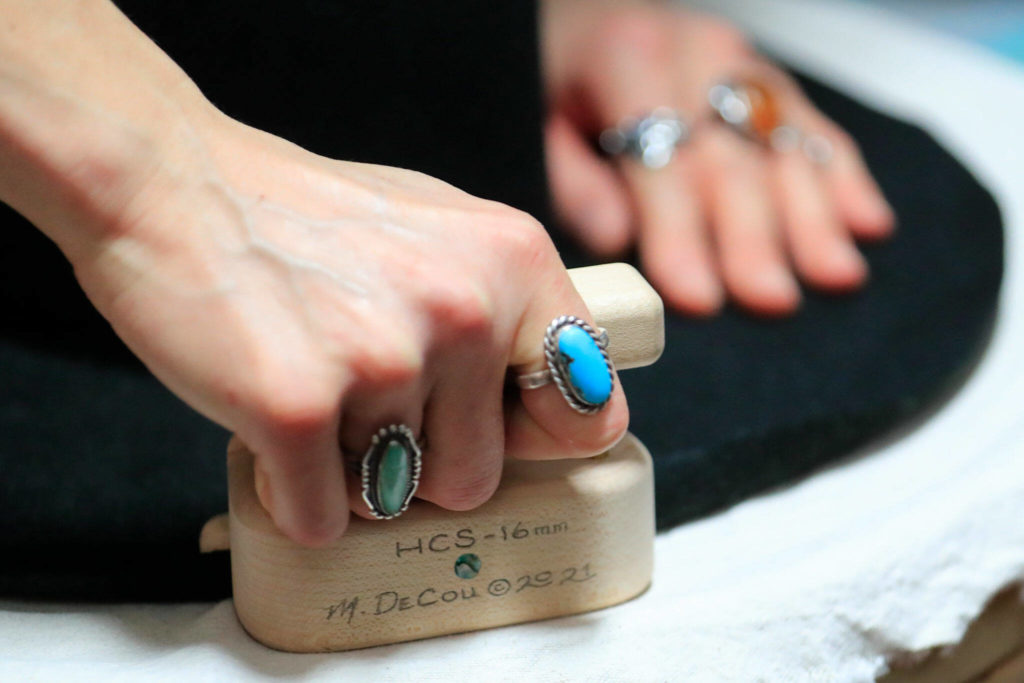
[{"x": 893, "y": 550}]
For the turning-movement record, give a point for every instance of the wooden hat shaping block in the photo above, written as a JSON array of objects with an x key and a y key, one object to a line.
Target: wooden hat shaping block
[{"x": 558, "y": 537}]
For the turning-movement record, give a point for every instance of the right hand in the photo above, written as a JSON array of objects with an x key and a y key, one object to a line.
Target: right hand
[
  {"x": 300, "y": 302},
  {"x": 304, "y": 303}
]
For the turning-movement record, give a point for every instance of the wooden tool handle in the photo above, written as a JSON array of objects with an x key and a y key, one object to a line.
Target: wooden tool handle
[
  {"x": 623, "y": 303},
  {"x": 558, "y": 537}
]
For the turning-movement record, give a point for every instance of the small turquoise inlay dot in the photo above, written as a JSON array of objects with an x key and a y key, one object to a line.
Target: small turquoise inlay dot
[
  {"x": 588, "y": 371},
  {"x": 467, "y": 566}
]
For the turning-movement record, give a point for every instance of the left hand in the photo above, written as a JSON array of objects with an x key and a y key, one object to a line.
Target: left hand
[{"x": 727, "y": 217}]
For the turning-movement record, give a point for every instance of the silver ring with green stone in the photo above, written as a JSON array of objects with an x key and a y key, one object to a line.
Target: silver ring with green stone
[
  {"x": 391, "y": 471},
  {"x": 578, "y": 364}
]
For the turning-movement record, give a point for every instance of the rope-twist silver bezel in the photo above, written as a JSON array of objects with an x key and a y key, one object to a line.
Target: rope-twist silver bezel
[
  {"x": 559, "y": 372},
  {"x": 371, "y": 461}
]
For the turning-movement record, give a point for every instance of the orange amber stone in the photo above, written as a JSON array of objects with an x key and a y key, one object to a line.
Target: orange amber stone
[{"x": 764, "y": 110}]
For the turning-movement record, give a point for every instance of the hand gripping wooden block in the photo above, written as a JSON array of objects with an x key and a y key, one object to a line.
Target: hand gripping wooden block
[{"x": 559, "y": 537}]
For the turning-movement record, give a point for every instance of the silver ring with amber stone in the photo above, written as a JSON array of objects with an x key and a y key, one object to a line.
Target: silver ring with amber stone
[
  {"x": 391, "y": 471},
  {"x": 750, "y": 108}
]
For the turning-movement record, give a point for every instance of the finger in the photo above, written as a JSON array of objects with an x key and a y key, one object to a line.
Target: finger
[
  {"x": 378, "y": 401},
  {"x": 299, "y": 476},
  {"x": 745, "y": 220},
  {"x": 858, "y": 200},
  {"x": 673, "y": 245},
  {"x": 532, "y": 431},
  {"x": 588, "y": 196},
  {"x": 464, "y": 424},
  {"x": 356, "y": 503},
  {"x": 821, "y": 247},
  {"x": 627, "y": 80},
  {"x": 545, "y": 425},
  {"x": 857, "y": 197}
]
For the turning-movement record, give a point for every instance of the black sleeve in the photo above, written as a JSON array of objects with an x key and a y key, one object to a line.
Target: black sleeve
[{"x": 449, "y": 88}]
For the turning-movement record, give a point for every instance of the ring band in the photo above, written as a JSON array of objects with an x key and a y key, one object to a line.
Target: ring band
[
  {"x": 534, "y": 380},
  {"x": 578, "y": 364},
  {"x": 816, "y": 148},
  {"x": 651, "y": 139},
  {"x": 390, "y": 471}
]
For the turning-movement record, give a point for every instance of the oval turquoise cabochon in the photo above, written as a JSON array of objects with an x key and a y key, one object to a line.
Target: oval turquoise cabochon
[
  {"x": 394, "y": 477},
  {"x": 588, "y": 370}
]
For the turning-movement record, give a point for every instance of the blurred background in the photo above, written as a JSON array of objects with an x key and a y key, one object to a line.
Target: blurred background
[{"x": 996, "y": 24}]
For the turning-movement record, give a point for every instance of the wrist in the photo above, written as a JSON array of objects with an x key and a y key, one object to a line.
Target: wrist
[
  {"x": 91, "y": 113},
  {"x": 74, "y": 166}
]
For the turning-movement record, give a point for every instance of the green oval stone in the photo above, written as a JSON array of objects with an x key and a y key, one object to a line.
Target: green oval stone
[{"x": 394, "y": 476}]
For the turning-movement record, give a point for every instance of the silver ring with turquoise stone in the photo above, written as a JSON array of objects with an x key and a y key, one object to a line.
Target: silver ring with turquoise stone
[
  {"x": 391, "y": 471},
  {"x": 578, "y": 364}
]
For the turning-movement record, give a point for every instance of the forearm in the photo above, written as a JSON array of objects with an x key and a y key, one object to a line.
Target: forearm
[{"x": 91, "y": 111}]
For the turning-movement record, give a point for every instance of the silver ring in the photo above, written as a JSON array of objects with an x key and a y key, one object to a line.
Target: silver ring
[
  {"x": 734, "y": 106},
  {"x": 578, "y": 364},
  {"x": 534, "y": 380},
  {"x": 651, "y": 139},
  {"x": 391, "y": 471},
  {"x": 816, "y": 148}
]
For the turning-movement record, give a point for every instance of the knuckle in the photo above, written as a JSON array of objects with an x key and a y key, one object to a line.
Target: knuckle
[
  {"x": 388, "y": 362},
  {"x": 524, "y": 239},
  {"x": 721, "y": 35},
  {"x": 289, "y": 415},
  {"x": 638, "y": 31},
  {"x": 461, "y": 307},
  {"x": 285, "y": 405}
]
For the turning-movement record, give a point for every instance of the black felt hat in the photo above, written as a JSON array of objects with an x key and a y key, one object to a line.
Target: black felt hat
[{"x": 107, "y": 478}]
